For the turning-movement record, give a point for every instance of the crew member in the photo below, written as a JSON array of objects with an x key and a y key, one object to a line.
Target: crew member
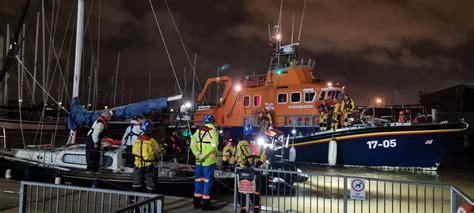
[
  {"x": 401, "y": 117},
  {"x": 147, "y": 155},
  {"x": 250, "y": 155},
  {"x": 130, "y": 136},
  {"x": 228, "y": 153},
  {"x": 348, "y": 106},
  {"x": 204, "y": 144},
  {"x": 94, "y": 138},
  {"x": 265, "y": 120},
  {"x": 337, "y": 114},
  {"x": 325, "y": 115},
  {"x": 172, "y": 146}
]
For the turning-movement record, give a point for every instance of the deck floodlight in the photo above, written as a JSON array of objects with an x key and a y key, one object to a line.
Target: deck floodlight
[
  {"x": 260, "y": 141},
  {"x": 278, "y": 37},
  {"x": 238, "y": 87},
  {"x": 188, "y": 104}
]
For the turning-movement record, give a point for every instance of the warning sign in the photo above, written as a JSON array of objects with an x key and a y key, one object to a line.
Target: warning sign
[
  {"x": 246, "y": 186},
  {"x": 358, "y": 189}
]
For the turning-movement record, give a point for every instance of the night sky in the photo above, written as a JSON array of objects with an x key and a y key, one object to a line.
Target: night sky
[{"x": 387, "y": 49}]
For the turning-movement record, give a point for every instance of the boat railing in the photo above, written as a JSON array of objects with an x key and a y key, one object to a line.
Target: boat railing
[
  {"x": 302, "y": 63},
  {"x": 279, "y": 190},
  {"x": 254, "y": 80},
  {"x": 3, "y": 137},
  {"x": 45, "y": 197}
]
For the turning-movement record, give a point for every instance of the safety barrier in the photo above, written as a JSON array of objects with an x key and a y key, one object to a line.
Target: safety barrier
[
  {"x": 44, "y": 197},
  {"x": 287, "y": 191}
]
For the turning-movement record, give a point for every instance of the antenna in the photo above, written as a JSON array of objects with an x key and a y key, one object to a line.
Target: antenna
[
  {"x": 269, "y": 33},
  {"x": 301, "y": 23},
  {"x": 292, "y": 27},
  {"x": 279, "y": 17}
]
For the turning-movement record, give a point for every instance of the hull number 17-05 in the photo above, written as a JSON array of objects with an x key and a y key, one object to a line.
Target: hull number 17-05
[{"x": 391, "y": 143}]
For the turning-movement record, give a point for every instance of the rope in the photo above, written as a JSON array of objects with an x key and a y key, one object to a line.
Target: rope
[
  {"x": 31, "y": 76},
  {"x": 166, "y": 47},
  {"x": 21, "y": 125},
  {"x": 184, "y": 47}
]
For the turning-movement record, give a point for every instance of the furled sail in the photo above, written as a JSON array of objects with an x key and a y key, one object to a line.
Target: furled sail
[{"x": 79, "y": 116}]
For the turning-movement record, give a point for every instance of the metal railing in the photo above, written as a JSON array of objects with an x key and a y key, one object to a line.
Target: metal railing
[
  {"x": 287, "y": 191},
  {"x": 3, "y": 136},
  {"x": 44, "y": 197}
]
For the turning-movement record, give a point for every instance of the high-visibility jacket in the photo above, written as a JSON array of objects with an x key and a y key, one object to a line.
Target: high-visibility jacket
[
  {"x": 228, "y": 153},
  {"x": 337, "y": 108},
  {"x": 147, "y": 152},
  {"x": 249, "y": 155},
  {"x": 204, "y": 144},
  {"x": 347, "y": 105}
]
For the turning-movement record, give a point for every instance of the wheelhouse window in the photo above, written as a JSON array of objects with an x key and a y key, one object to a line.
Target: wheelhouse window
[
  {"x": 246, "y": 101},
  {"x": 309, "y": 95},
  {"x": 331, "y": 95},
  {"x": 282, "y": 98},
  {"x": 321, "y": 95},
  {"x": 295, "y": 97},
  {"x": 338, "y": 94},
  {"x": 257, "y": 100}
]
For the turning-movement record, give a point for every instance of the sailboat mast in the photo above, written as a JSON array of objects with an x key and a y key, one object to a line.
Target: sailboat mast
[
  {"x": 5, "y": 88},
  {"x": 35, "y": 67},
  {"x": 43, "y": 46},
  {"x": 77, "y": 60},
  {"x": 116, "y": 79}
]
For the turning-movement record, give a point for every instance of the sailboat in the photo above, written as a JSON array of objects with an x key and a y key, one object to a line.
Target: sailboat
[{"x": 70, "y": 161}]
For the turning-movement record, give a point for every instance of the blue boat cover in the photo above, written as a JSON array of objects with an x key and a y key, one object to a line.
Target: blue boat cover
[{"x": 79, "y": 116}]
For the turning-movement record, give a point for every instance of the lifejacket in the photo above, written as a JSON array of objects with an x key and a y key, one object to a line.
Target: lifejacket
[
  {"x": 147, "y": 151},
  {"x": 131, "y": 134},
  {"x": 248, "y": 155},
  {"x": 228, "y": 153},
  {"x": 102, "y": 121},
  {"x": 348, "y": 105},
  {"x": 204, "y": 143}
]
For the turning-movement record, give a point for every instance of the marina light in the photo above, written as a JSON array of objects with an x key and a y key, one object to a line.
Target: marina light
[
  {"x": 60, "y": 103},
  {"x": 293, "y": 131},
  {"x": 171, "y": 110},
  {"x": 278, "y": 37},
  {"x": 20, "y": 100},
  {"x": 188, "y": 104},
  {"x": 221, "y": 131},
  {"x": 378, "y": 100},
  {"x": 106, "y": 107},
  {"x": 329, "y": 84},
  {"x": 89, "y": 104},
  {"x": 238, "y": 87}
]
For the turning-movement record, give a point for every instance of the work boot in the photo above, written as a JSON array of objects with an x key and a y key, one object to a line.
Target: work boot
[
  {"x": 197, "y": 202},
  {"x": 206, "y": 205}
]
